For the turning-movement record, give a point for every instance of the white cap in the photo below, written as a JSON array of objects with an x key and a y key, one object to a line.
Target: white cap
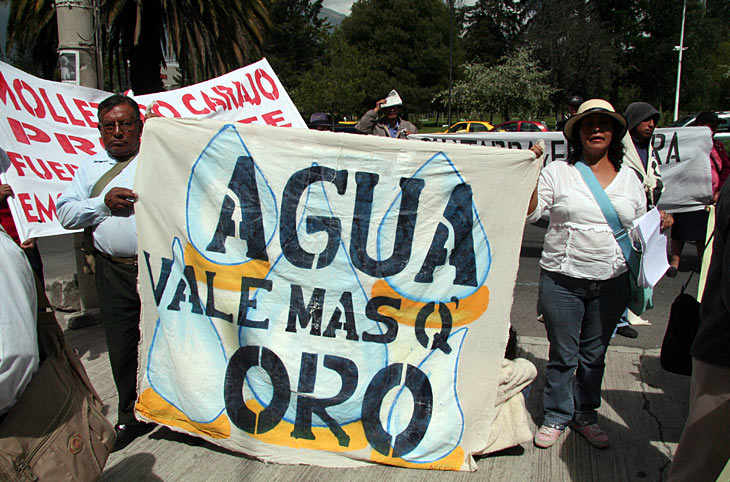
[{"x": 392, "y": 100}]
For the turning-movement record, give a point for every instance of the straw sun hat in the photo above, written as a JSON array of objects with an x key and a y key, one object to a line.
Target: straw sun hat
[{"x": 594, "y": 106}]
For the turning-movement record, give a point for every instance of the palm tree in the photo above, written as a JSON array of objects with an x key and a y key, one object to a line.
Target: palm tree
[
  {"x": 208, "y": 38},
  {"x": 32, "y": 31}
]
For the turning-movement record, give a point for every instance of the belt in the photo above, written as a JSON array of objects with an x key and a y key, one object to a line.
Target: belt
[{"x": 117, "y": 259}]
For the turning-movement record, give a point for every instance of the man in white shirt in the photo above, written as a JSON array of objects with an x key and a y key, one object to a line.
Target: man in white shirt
[
  {"x": 18, "y": 334},
  {"x": 111, "y": 215}
]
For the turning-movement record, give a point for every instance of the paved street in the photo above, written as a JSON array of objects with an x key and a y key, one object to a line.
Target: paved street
[{"x": 643, "y": 407}]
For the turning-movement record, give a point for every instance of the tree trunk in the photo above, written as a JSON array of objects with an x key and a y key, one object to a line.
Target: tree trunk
[
  {"x": 146, "y": 56},
  {"x": 144, "y": 71}
]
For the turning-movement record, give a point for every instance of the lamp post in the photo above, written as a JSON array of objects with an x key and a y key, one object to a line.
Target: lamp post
[
  {"x": 451, "y": 54},
  {"x": 680, "y": 48}
]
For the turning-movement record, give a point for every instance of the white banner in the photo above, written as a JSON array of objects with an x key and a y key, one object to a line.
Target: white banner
[
  {"x": 322, "y": 298},
  {"x": 683, "y": 154},
  {"x": 49, "y": 128}
]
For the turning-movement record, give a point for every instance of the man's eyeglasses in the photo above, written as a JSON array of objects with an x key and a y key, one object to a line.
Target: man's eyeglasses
[{"x": 124, "y": 126}]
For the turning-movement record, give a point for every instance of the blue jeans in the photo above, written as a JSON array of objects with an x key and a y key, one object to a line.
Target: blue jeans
[{"x": 580, "y": 316}]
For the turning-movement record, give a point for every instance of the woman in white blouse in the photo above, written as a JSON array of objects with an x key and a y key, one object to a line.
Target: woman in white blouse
[{"x": 584, "y": 285}]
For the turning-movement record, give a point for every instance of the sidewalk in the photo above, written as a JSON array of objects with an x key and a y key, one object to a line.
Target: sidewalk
[{"x": 643, "y": 412}]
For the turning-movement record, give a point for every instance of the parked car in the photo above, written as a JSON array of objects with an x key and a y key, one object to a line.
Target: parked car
[
  {"x": 723, "y": 126},
  {"x": 468, "y": 126},
  {"x": 348, "y": 127},
  {"x": 521, "y": 126}
]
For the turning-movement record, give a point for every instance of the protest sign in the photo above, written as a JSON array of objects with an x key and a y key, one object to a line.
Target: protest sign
[
  {"x": 327, "y": 299},
  {"x": 49, "y": 129},
  {"x": 683, "y": 155}
]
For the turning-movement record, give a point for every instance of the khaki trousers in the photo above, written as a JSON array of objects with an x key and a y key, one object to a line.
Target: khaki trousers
[{"x": 704, "y": 448}]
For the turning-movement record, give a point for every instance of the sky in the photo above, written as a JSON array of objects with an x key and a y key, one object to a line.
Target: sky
[{"x": 343, "y": 6}]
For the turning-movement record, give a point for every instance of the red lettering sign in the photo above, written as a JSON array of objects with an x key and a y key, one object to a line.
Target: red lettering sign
[
  {"x": 6, "y": 91},
  {"x": 73, "y": 144},
  {"x": 25, "y": 133},
  {"x": 275, "y": 119},
  {"x": 187, "y": 100},
  {"x": 88, "y": 115},
  {"x": 160, "y": 104},
  {"x": 17, "y": 161},
  {"x": 46, "y": 174},
  {"x": 273, "y": 92},
  {"x": 24, "y": 199},
  {"x": 53, "y": 112},
  {"x": 22, "y": 86}
]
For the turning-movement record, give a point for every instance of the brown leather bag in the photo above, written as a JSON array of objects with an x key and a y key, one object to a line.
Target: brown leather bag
[{"x": 56, "y": 429}]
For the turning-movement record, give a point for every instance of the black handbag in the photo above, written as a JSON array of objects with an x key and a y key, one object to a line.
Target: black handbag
[{"x": 684, "y": 321}]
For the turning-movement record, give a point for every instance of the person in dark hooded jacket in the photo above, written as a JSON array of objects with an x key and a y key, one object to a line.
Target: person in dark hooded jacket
[{"x": 641, "y": 120}]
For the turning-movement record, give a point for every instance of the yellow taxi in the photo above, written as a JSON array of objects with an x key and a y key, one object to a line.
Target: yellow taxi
[{"x": 468, "y": 126}]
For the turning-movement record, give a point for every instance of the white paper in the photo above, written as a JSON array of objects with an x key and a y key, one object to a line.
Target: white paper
[{"x": 654, "y": 246}]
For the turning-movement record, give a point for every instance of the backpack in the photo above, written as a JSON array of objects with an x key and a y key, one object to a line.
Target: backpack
[{"x": 56, "y": 429}]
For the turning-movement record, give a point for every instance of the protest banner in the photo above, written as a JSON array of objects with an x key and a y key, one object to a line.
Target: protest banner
[
  {"x": 49, "y": 128},
  {"x": 327, "y": 299},
  {"x": 683, "y": 154}
]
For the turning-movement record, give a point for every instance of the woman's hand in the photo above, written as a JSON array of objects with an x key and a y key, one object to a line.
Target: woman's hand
[
  {"x": 28, "y": 244},
  {"x": 665, "y": 220},
  {"x": 538, "y": 149},
  {"x": 5, "y": 191},
  {"x": 150, "y": 113}
]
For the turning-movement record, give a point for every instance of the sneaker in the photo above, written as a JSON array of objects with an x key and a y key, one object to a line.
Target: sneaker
[
  {"x": 593, "y": 433},
  {"x": 546, "y": 436},
  {"x": 627, "y": 331}
]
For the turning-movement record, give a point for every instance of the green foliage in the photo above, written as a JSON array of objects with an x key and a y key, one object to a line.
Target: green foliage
[
  {"x": 652, "y": 60},
  {"x": 621, "y": 50},
  {"x": 335, "y": 83},
  {"x": 297, "y": 39},
  {"x": 405, "y": 43},
  {"x": 33, "y": 36},
  {"x": 706, "y": 38},
  {"x": 517, "y": 86},
  {"x": 720, "y": 75},
  {"x": 491, "y": 29},
  {"x": 208, "y": 38},
  {"x": 571, "y": 41}
]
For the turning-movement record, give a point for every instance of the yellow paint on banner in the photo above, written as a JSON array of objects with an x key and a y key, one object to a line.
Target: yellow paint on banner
[
  {"x": 154, "y": 407},
  {"x": 468, "y": 310},
  {"x": 227, "y": 277},
  {"x": 453, "y": 461},
  {"x": 324, "y": 439}
]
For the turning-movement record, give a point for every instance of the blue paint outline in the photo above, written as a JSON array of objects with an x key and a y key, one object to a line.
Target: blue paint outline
[
  {"x": 223, "y": 130},
  {"x": 154, "y": 338},
  {"x": 391, "y": 281},
  {"x": 456, "y": 398},
  {"x": 256, "y": 396}
]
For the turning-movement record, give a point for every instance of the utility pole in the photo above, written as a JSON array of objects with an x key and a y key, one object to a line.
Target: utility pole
[
  {"x": 80, "y": 59},
  {"x": 680, "y": 48},
  {"x": 451, "y": 53}
]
